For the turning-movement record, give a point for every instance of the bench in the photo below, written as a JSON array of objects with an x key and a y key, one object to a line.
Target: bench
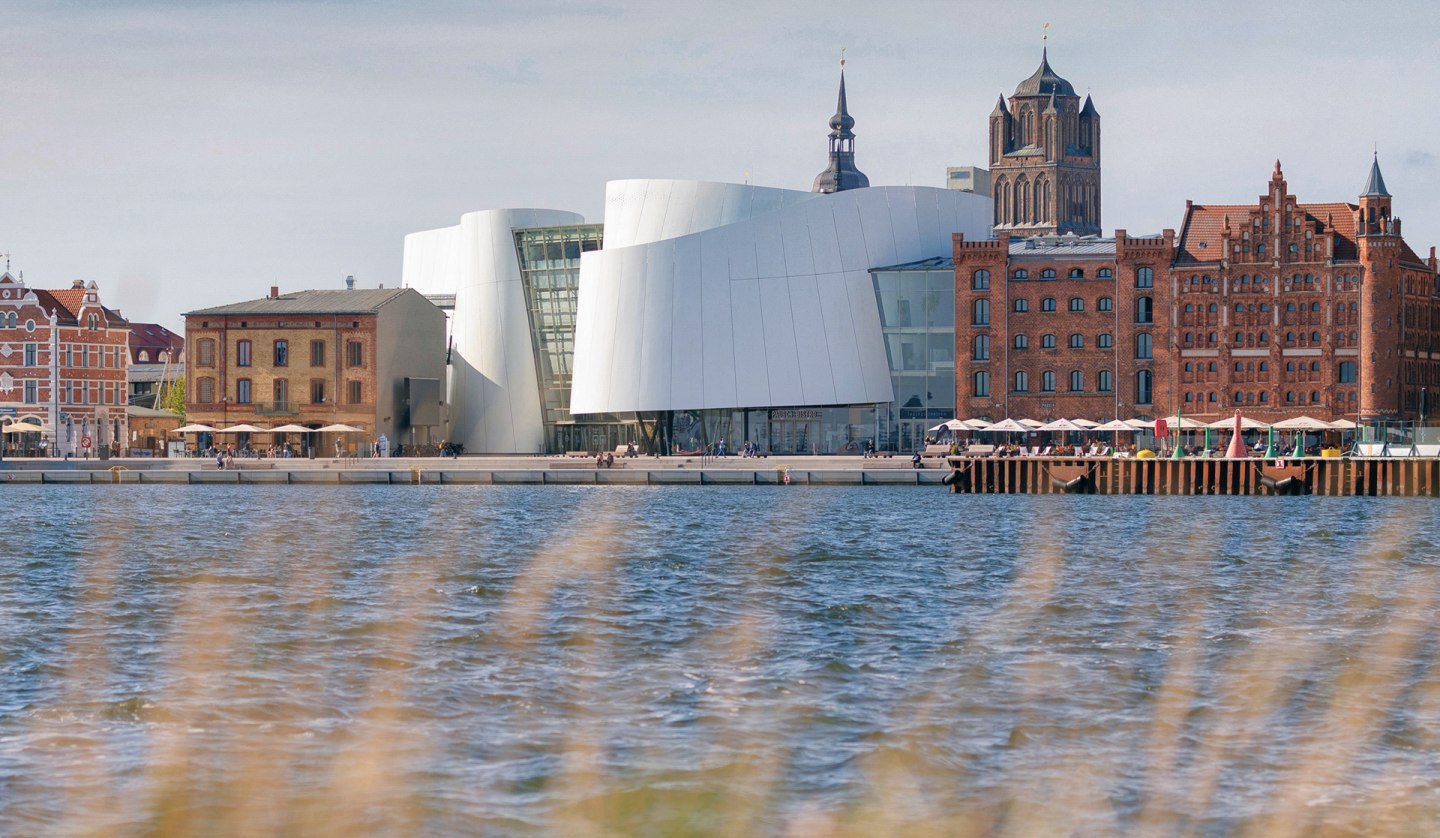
[
  {"x": 936, "y": 451},
  {"x": 889, "y": 464},
  {"x": 579, "y": 454},
  {"x": 586, "y": 464}
]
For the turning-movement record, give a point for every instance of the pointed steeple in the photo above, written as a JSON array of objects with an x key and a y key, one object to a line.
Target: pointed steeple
[
  {"x": 1050, "y": 108},
  {"x": 1375, "y": 184},
  {"x": 1000, "y": 109},
  {"x": 1088, "y": 109},
  {"x": 841, "y": 174},
  {"x": 1044, "y": 80}
]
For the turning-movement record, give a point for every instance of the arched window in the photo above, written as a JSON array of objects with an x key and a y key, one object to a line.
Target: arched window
[
  {"x": 1289, "y": 337},
  {"x": 1144, "y": 310},
  {"x": 1212, "y": 397},
  {"x": 1102, "y": 381},
  {"x": 1077, "y": 381},
  {"x": 1314, "y": 306},
  {"x": 1022, "y": 382},
  {"x": 1289, "y": 366},
  {"x": 1022, "y": 342},
  {"x": 1048, "y": 273},
  {"x": 1189, "y": 337},
  {"x": 1264, "y": 337},
  {"x": 1315, "y": 337},
  {"x": 1144, "y": 349},
  {"x": 1189, "y": 367},
  {"x": 1239, "y": 307},
  {"x": 980, "y": 281},
  {"x": 1212, "y": 308},
  {"x": 1239, "y": 366},
  {"x": 1145, "y": 278},
  {"x": 982, "y": 383},
  {"x": 1105, "y": 273},
  {"x": 1289, "y": 396},
  {"x": 1264, "y": 366},
  {"x": 1289, "y": 307},
  {"x": 1077, "y": 341},
  {"x": 144, "y": 356},
  {"x": 1047, "y": 381},
  {"x": 1214, "y": 337},
  {"x": 1104, "y": 304},
  {"x": 1047, "y": 341},
  {"x": 1314, "y": 395},
  {"x": 1314, "y": 366},
  {"x": 1022, "y": 304},
  {"x": 1189, "y": 308},
  {"x": 1019, "y": 275},
  {"x": 980, "y": 310},
  {"x": 1047, "y": 304},
  {"x": 1077, "y": 273},
  {"x": 1144, "y": 383},
  {"x": 981, "y": 348},
  {"x": 1264, "y": 397},
  {"x": 1189, "y": 397},
  {"x": 1347, "y": 372},
  {"x": 1239, "y": 337},
  {"x": 1077, "y": 304},
  {"x": 1105, "y": 340}
]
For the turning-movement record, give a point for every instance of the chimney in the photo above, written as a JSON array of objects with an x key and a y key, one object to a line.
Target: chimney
[
  {"x": 78, "y": 284},
  {"x": 274, "y": 292},
  {"x": 349, "y": 283}
]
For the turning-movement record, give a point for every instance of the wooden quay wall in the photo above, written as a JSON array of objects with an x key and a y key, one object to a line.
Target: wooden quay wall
[{"x": 1341, "y": 476}]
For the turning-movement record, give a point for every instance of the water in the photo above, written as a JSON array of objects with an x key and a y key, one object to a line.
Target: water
[{"x": 746, "y": 661}]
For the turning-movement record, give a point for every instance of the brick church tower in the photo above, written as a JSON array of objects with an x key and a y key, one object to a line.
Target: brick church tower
[
  {"x": 1045, "y": 158},
  {"x": 1381, "y": 250}
]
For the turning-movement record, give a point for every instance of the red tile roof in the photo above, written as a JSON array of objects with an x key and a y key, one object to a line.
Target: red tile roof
[{"x": 1205, "y": 223}]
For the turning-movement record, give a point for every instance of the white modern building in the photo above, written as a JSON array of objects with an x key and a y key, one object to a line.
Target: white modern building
[{"x": 700, "y": 311}]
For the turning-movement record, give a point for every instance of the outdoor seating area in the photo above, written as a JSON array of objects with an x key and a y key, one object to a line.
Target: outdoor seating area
[{"x": 1171, "y": 436}]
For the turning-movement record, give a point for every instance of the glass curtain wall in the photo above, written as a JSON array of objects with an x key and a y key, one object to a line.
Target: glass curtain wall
[
  {"x": 917, "y": 319},
  {"x": 550, "y": 268}
]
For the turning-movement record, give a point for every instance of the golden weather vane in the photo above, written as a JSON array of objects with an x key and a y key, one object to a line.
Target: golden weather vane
[
  {"x": 1045, "y": 33},
  {"x": 842, "y": 58}
]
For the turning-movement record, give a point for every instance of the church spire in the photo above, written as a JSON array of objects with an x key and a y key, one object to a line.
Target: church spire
[
  {"x": 1375, "y": 183},
  {"x": 841, "y": 174}
]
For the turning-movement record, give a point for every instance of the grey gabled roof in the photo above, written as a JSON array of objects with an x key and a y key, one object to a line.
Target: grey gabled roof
[
  {"x": 359, "y": 301},
  {"x": 1375, "y": 184}
]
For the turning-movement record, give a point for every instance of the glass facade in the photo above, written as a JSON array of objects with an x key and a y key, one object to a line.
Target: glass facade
[
  {"x": 550, "y": 269},
  {"x": 917, "y": 319}
]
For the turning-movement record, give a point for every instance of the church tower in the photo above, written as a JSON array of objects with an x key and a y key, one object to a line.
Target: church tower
[
  {"x": 1045, "y": 158},
  {"x": 841, "y": 174}
]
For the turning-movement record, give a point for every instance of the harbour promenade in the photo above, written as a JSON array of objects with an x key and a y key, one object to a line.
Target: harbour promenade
[{"x": 534, "y": 470}]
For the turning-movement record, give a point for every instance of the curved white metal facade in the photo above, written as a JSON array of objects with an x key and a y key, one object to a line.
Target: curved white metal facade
[
  {"x": 494, "y": 393},
  {"x": 714, "y": 295}
]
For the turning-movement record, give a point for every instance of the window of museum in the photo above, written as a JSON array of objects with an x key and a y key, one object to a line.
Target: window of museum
[
  {"x": 242, "y": 391},
  {"x": 980, "y": 350},
  {"x": 204, "y": 352},
  {"x": 32, "y": 391},
  {"x": 205, "y": 391},
  {"x": 1077, "y": 273},
  {"x": 1077, "y": 304},
  {"x": 1145, "y": 278},
  {"x": 32, "y": 355},
  {"x": 1077, "y": 381},
  {"x": 317, "y": 391},
  {"x": 355, "y": 352},
  {"x": 1144, "y": 310},
  {"x": 982, "y": 383},
  {"x": 1022, "y": 382},
  {"x": 1022, "y": 304},
  {"x": 1077, "y": 341},
  {"x": 1144, "y": 350},
  {"x": 1048, "y": 273},
  {"x": 1047, "y": 382},
  {"x": 1144, "y": 382},
  {"x": 280, "y": 392},
  {"x": 1047, "y": 304},
  {"x": 1104, "y": 304},
  {"x": 1022, "y": 342},
  {"x": 1019, "y": 275},
  {"x": 1047, "y": 341},
  {"x": 1105, "y": 340},
  {"x": 980, "y": 313},
  {"x": 1105, "y": 273},
  {"x": 242, "y": 353},
  {"x": 1347, "y": 372}
]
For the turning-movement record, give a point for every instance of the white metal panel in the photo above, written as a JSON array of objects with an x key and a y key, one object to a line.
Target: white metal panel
[
  {"x": 680, "y": 208},
  {"x": 927, "y": 221},
  {"x": 903, "y": 218},
  {"x": 868, "y": 338},
  {"x": 795, "y": 239},
  {"x": 817, "y": 382},
  {"x": 717, "y": 342},
  {"x": 840, "y": 344},
  {"x": 781, "y": 349},
  {"x": 769, "y": 248},
  {"x": 751, "y": 360},
  {"x": 629, "y": 309},
  {"x": 694, "y": 257},
  {"x": 824, "y": 243},
  {"x": 850, "y": 239},
  {"x": 656, "y": 325},
  {"x": 740, "y": 251},
  {"x": 875, "y": 226}
]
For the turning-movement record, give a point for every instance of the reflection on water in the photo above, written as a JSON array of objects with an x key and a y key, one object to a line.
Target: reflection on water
[{"x": 744, "y": 661}]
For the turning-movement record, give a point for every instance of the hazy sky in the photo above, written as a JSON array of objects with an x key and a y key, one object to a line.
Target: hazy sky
[{"x": 186, "y": 154}]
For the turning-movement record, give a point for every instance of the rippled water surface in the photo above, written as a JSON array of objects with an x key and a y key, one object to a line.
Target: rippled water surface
[{"x": 707, "y": 660}]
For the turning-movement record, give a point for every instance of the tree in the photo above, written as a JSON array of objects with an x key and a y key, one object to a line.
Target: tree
[{"x": 173, "y": 398}]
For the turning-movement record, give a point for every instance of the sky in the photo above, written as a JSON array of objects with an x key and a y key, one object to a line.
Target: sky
[{"x": 189, "y": 154}]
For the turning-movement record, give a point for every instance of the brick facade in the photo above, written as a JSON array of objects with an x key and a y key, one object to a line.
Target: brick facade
[
  {"x": 63, "y": 363},
  {"x": 1278, "y": 308}
]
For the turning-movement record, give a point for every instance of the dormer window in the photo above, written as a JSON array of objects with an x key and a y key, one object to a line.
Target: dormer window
[{"x": 92, "y": 322}]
